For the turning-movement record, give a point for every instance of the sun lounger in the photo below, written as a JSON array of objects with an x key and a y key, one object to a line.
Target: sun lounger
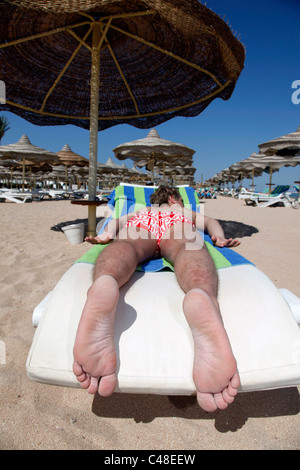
[
  {"x": 17, "y": 197},
  {"x": 39, "y": 194},
  {"x": 278, "y": 195},
  {"x": 280, "y": 189},
  {"x": 282, "y": 199},
  {"x": 57, "y": 193},
  {"x": 153, "y": 341},
  {"x": 245, "y": 193}
]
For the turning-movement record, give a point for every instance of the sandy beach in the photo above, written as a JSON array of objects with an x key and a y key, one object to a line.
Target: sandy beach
[{"x": 35, "y": 253}]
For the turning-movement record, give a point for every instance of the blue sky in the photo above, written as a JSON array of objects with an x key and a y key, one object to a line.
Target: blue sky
[{"x": 260, "y": 108}]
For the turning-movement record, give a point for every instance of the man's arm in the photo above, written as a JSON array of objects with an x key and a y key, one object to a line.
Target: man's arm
[
  {"x": 215, "y": 231},
  {"x": 111, "y": 230}
]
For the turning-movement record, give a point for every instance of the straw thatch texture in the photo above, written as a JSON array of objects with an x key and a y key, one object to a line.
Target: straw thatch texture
[
  {"x": 285, "y": 145},
  {"x": 25, "y": 149},
  {"x": 173, "y": 59},
  {"x": 70, "y": 158},
  {"x": 260, "y": 160},
  {"x": 156, "y": 149}
]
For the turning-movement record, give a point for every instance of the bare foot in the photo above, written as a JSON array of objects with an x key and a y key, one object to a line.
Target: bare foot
[
  {"x": 94, "y": 349},
  {"x": 215, "y": 370}
]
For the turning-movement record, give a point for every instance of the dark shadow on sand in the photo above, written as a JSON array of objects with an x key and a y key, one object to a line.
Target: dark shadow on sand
[
  {"x": 145, "y": 408},
  {"x": 234, "y": 229}
]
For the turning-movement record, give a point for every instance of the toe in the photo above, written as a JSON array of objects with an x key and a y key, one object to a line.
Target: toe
[
  {"x": 235, "y": 381},
  {"x": 220, "y": 402},
  {"x": 77, "y": 369},
  {"x": 93, "y": 385},
  {"x": 206, "y": 402},
  {"x": 227, "y": 397},
  {"x": 107, "y": 385}
]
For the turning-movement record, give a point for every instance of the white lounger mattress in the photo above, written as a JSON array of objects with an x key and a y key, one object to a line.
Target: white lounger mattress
[{"x": 153, "y": 341}]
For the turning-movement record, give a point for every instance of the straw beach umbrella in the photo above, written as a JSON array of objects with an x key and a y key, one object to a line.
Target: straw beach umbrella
[
  {"x": 180, "y": 175},
  {"x": 69, "y": 158},
  {"x": 24, "y": 150},
  {"x": 153, "y": 151},
  {"x": 11, "y": 165},
  {"x": 98, "y": 63},
  {"x": 286, "y": 145},
  {"x": 272, "y": 163},
  {"x": 245, "y": 169}
]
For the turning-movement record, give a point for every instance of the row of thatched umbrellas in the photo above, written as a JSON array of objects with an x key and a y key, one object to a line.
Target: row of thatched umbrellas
[
  {"x": 159, "y": 155},
  {"x": 153, "y": 153},
  {"x": 64, "y": 164},
  {"x": 281, "y": 152}
]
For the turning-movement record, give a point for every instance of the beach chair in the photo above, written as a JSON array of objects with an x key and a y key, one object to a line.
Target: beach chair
[
  {"x": 153, "y": 341},
  {"x": 282, "y": 199},
  {"x": 17, "y": 197},
  {"x": 245, "y": 193},
  {"x": 57, "y": 193},
  {"x": 278, "y": 195}
]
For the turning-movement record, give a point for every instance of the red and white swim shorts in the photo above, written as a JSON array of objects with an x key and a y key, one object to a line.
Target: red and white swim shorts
[{"x": 157, "y": 222}]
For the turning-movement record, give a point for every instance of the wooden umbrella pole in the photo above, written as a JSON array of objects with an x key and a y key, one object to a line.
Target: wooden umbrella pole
[
  {"x": 23, "y": 172},
  {"x": 94, "y": 111},
  {"x": 66, "y": 177},
  {"x": 252, "y": 171},
  {"x": 270, "y": 183}
]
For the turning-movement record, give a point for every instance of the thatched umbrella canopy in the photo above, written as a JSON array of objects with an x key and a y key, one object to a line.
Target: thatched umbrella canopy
[
  {"x": 286, "y": 145},
  {"x": 9, "y": 169},
  {"x": 153, "y": 151},
  {"x": 216, "y": 179},
  {"x": 154, "y": 148},
  {"x": 113, "y": 171},
  {"x": 15, "y": 175},
  {"x": 55, "y": 175},
  {"x": 11, "y": 165},
  {"x": 272, "y": 163},
  {"x": 112, "y": 166},
  {"x": 138, "y": 176},
  {"x": 98, "y": 63},
  {"x": 103, "y": 172},
  {"x": 24, "y": 150},
  {"x": 178, "y": 173},
  {"x": 58, "y": 171},
  {"x": 244, "y": 169},
  {"x": 78, "y": 173},
  {"x": 69, "y": 158}
]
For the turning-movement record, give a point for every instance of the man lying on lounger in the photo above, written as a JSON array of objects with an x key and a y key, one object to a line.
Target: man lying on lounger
[{"x": 166, "y": 229}]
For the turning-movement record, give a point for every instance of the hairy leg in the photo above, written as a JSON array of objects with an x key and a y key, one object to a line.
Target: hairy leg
[
  {"x": 94, "y": 349},
  {"x": 215, "y": 369}
]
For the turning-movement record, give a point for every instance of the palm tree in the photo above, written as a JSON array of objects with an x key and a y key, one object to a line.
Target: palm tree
[{"x": 4, "y": 126}]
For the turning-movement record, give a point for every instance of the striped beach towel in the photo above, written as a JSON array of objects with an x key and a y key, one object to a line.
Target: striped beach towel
[{"x": 125, "y": 199}]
